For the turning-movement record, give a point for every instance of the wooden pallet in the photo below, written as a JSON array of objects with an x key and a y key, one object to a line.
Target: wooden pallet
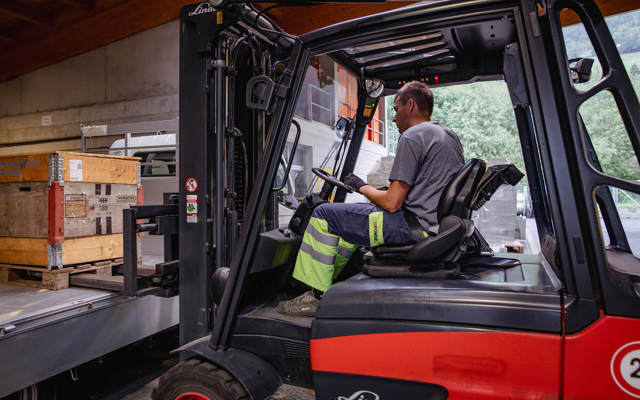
[{"x": 54, "y": 279}]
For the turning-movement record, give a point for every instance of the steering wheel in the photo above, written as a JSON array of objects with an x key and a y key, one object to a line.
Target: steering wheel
[{"x": 322, "y": 174}]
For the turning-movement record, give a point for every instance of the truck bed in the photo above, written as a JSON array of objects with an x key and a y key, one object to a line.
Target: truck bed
[
  {"x": 46, "y": 332},
  {"x": 20, "y": 304}
]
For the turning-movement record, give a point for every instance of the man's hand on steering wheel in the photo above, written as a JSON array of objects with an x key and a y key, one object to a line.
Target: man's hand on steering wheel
[
  {"x": 322, "y": 174},
  {"x": 354, "y": 181}
]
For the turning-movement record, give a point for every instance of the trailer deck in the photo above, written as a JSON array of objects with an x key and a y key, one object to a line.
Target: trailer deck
[{"x": 45, "y": 332}]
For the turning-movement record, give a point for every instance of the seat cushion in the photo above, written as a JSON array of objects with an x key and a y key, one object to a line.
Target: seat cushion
[
  {"x": 441, "y": 247},
  {"x": 434, "y": 248}
]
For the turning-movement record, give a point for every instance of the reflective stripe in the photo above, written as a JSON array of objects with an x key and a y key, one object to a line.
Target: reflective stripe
[
  {"x": 326, "y": 243},
  {"x": 345, "y": 250},
  {"x": 376, "y": 237},
  {"x": 306, "y": 247},
  {"x": 346, "y": 253},
  {"x": 319, "y": 236},
  {"x": 312, "y": 273}
]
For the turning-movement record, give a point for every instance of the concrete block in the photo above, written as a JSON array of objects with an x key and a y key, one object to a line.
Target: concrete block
[
  {"x": 72, "y": 144},
  {"x": 66, "y": 123},
  {"x": 10, "y": 97},
  {"x": 379, "y": 176},
  {"x": 144, "y": 65},
  {"x": 77, "y": 81}
]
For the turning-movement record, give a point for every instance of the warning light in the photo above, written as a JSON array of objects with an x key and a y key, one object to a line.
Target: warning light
[{"x": 436, "y": 79}]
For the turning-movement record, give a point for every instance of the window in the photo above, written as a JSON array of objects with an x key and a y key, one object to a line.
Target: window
[
  {"x": 609, "y": 137},
  {"x": 317, "y": 98},
  {"x": 348, "y": 103},
  {"x": 481, "y": 114},
  {"x": 157, "y": 163},
  {"x": 627, "y": 205},
  {"x": 606, "y": 140}
]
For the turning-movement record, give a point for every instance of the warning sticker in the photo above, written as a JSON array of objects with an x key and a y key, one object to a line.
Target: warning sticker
[
  {"x": 625, "y": 368},
  {"x": 75, "y": 170},
  {"x": 191, "y": 185},
  {"x": 192, "y": 209}
]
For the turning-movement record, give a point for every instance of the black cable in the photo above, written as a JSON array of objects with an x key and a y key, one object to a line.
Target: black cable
[{"x": 261, "y": 12}]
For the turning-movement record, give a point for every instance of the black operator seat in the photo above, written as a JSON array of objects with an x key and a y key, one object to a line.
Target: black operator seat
[{"x": 469, "y": 189}]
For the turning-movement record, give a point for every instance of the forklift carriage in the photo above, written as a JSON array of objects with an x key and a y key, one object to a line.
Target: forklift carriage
[{"x": 441, "y": 318}]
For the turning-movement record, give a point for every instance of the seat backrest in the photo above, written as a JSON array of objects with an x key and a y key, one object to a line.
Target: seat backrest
[{"x": 457, "y": 195}]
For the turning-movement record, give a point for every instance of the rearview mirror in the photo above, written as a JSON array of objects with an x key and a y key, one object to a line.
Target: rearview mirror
[
  {"x": 374, "y": 87},
  {"x": 343, "y": 125},
  {"x": 581, "y": 71}
]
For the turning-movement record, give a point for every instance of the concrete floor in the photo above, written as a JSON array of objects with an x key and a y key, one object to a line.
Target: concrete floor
[{"x": 285, "y": 392}]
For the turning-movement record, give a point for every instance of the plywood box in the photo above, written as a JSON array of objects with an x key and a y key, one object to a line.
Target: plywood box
[{"x": 64, "y": 208}]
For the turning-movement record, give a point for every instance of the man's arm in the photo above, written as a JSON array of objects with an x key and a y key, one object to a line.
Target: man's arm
[{"x": 391, "y": 199}]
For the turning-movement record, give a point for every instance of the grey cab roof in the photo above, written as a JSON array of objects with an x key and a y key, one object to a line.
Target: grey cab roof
[{"x": 437, "y": 42}]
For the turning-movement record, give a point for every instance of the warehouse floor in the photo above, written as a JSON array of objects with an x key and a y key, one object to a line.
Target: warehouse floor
[{"x": 285, "y": 392}]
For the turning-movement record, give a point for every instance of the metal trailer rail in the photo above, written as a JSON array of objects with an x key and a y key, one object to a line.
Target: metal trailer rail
[{"x": 38, "y": 342}]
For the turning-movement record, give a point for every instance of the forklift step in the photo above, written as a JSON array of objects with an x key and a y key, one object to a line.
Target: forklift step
[{"x": 288, "y": 392}]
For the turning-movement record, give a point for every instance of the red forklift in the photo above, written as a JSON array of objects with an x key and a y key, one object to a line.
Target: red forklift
[{"x": 442, "y": 318}]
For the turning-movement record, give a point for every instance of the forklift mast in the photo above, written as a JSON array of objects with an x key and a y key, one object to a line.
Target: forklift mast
[{"x": 223, "y": 138}]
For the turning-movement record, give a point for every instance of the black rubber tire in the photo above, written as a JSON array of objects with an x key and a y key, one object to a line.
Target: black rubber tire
[{"x": 199, "y": 377}]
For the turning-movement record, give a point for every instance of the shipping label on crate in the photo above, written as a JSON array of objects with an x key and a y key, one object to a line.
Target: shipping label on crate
[
  {"x": 75, "y": 170},
  {"x": 96, "y": 208}
]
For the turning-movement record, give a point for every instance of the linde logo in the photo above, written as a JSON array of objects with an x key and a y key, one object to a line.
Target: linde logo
[
  {"x": 203, "y": 8},
  {"x": 361, "y": 395}
]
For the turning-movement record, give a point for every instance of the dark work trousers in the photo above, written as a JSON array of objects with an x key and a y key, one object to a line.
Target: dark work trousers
[{"x": 336, "y": 230}]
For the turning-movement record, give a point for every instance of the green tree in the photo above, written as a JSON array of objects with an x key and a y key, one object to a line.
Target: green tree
[{"x": 482, "y": 116}]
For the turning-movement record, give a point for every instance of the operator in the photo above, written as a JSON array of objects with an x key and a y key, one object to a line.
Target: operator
[{"x": 427, "y": 157}]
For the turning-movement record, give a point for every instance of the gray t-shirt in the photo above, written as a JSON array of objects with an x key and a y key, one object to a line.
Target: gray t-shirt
[{"x": 428, "y": 156}]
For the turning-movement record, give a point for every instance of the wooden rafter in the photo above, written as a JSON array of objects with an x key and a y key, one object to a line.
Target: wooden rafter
[
  {"x": 13, "y": 10},
  {"x": 7, "y": 39},
  {"x": 78, "y": 4}
]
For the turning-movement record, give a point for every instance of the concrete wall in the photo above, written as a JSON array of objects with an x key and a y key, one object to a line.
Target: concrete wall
[{"x": 133, "y": 79}]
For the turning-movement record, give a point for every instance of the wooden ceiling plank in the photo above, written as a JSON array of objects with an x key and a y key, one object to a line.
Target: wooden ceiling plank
[
  {"x": 111, "y": 20},
  {"x": 95, "y": 30},
  {"x": 7, "y": 39},
  {"x": 30, "y": 16},
  {"x": 299, "y": 20},
  {"x": 78, "y": 4}
]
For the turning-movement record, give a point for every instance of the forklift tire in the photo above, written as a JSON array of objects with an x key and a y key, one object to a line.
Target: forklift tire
[{"x": 198, "y": 380}]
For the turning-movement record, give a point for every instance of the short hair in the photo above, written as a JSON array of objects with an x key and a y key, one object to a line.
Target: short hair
[{"x": 420, "y": 93}]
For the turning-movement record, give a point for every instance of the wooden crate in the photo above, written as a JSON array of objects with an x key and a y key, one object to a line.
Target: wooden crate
[
  {"x": 64, "y": 208},
  {"x": 54, "y": 279}
]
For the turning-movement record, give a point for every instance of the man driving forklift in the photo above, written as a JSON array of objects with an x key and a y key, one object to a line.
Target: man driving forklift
[{"x": 427, "y": 157}]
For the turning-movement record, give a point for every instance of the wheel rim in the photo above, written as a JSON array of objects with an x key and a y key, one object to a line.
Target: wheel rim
[{"x": 192, "y": 396}]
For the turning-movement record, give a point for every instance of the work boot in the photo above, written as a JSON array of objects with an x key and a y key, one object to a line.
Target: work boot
[{"x": 304, "y": 305}]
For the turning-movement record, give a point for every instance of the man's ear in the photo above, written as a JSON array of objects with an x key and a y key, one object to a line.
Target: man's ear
[{"x": 411, "y": 105}]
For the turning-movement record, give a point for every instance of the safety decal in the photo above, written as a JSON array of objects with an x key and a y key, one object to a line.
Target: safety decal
[
  {"x": 625, "y": 368},
  {"x": 192, "y": 209},
  {"x": 191, "y": 185}
]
